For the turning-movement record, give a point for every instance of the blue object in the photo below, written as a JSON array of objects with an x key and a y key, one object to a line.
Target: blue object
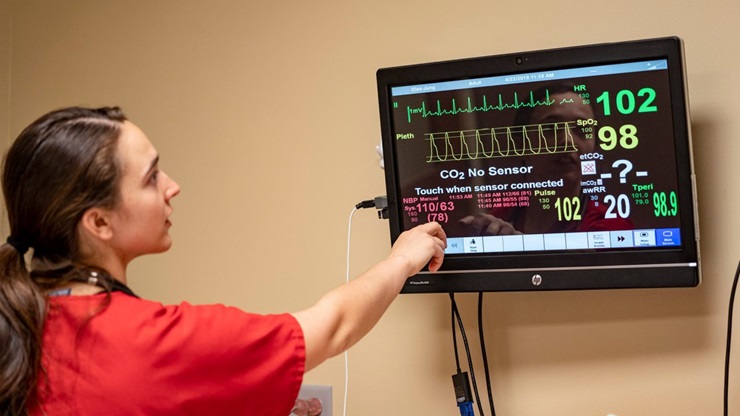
[{"x": 466, "y": 409}]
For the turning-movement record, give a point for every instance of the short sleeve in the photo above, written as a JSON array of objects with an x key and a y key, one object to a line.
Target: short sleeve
[{"x": 141, "y": 357}]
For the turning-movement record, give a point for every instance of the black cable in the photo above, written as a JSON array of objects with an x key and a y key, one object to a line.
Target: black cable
[
  {"x": 729, "y": 337},
  {"x": 483, "y": 352},
  {"x": 467, "y": 352},
  {"x": 454, "y": 339},
  {"x": 368, "y": 203},
  {"x": 379, "y": 202},
  {"x": 460, "y": 380}
]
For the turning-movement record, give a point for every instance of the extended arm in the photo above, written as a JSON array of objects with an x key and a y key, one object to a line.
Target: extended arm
[{"x": 344, "y": 315}]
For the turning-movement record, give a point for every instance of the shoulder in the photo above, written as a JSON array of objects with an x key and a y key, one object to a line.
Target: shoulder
[
  {"x": 211, "y": 319},
  {"x": 120, "y": 315}
]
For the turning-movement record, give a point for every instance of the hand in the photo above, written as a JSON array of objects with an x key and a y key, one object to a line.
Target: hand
[
  {"x": 421, "y": 245},
  {"x": 344, "y": 315},
  {"x": 487, "y": 224}
]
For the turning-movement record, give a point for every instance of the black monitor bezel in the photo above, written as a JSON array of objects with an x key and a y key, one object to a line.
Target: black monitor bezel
[{"x": 524, "y": 271}]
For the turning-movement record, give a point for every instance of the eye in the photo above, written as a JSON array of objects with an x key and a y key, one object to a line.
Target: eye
[{"x": 154, "y": 176}]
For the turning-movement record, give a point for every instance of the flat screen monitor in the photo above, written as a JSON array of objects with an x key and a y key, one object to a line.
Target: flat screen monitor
[{"x": 567, "y": 168}]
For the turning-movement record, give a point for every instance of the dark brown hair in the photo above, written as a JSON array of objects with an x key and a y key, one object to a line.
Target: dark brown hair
[{"x": 60, "y": 166}]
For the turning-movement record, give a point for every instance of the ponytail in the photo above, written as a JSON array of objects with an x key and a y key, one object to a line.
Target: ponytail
[{"x": 22, "y": 309}]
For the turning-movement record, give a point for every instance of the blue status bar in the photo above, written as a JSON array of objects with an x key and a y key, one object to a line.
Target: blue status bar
[{"x": 558, "y": 74}]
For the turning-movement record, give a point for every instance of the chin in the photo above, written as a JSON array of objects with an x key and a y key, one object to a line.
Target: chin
[
  {"x": 163, "y": 246},
  {"x": 167, "y": 246}
]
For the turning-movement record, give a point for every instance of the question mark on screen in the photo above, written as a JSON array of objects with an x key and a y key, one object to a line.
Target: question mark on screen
[{"x": 627, "y": 168}]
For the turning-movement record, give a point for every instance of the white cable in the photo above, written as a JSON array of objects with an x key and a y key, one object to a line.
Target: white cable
[
  {"x": 346, "y": 354},
  {"x": 349, "y": 240}
]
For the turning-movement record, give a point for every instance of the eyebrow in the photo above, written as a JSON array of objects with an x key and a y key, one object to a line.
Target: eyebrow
[{"x": 152, "y": 165}]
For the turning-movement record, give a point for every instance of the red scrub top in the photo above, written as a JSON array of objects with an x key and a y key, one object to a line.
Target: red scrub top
[{"x": 137, "y": 357}]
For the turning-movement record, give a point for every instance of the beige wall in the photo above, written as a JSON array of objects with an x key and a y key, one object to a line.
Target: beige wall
[
  {"x": 266, "y": 114},
  {"x": 5, "y": 31}
]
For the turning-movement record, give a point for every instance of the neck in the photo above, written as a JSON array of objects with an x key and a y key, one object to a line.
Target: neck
[{"x": 104, "y": 281}]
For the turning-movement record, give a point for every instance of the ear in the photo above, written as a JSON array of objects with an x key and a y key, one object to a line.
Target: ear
[{"x": 96, "y": 224}]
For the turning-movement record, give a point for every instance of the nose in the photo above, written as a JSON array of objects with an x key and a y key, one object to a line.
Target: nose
[{"x": 171, "y": 187}]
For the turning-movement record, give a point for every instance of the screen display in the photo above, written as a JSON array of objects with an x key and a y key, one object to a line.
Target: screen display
[{"x": 560, "y": 166}]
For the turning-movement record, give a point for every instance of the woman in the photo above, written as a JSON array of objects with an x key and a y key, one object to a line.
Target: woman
[{"x": 84, "y": 192}]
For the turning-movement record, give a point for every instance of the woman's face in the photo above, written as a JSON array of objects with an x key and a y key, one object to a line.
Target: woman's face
[{"x": 141, "y": 220}]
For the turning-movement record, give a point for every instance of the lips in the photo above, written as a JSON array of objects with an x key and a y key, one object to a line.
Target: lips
[
  {"x": 565, "y": 163},
  {"x": 566, "y": 160}
]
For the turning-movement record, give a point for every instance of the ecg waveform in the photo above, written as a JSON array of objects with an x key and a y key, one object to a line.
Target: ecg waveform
[
  {"x": 516, "y": 141},
  {"x": 470, "y": 108}
]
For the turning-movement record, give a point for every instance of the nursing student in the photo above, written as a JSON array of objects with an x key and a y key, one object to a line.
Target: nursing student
[{"x": 85, "y": 196}]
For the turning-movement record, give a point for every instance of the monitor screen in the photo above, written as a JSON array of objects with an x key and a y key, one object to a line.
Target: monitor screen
[{"x": 567, "y": 168}]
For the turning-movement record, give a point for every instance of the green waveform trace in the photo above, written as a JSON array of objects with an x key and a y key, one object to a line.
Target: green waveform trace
[
  {"x": 470, "y": 108},
  {"x": 547, "y": 142}
]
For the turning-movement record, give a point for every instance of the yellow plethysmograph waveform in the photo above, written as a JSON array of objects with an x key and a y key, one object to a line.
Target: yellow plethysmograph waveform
[{"x": 495, "y": 142}]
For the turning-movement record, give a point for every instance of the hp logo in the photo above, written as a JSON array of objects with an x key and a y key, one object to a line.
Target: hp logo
[{"x": 536, "y": 280}]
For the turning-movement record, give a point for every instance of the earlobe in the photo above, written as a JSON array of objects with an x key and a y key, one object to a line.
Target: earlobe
[{"x": 96, "y": 223}]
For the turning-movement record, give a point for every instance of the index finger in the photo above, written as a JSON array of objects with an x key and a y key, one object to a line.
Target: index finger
[{"x": 435, "y": 229}]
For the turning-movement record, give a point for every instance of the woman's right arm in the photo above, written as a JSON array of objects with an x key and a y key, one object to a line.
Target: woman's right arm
[{"x": 346, "y": 314}]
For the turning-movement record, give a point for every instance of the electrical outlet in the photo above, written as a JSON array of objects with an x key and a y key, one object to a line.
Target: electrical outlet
[{"x": 314, "y": 391}]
